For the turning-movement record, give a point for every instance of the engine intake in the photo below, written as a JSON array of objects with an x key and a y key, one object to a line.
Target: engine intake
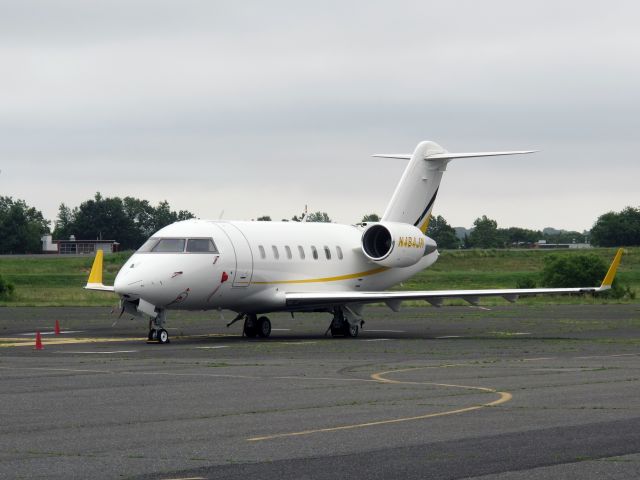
[{"x": 392, "y": 244}]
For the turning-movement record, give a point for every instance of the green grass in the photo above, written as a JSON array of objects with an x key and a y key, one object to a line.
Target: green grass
[{"x": 58, "y": 281}]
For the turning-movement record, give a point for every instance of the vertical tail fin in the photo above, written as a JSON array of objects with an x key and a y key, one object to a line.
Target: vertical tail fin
[
  {"x": 413, "y": 199},
  {"x": 416, "y": 192}
]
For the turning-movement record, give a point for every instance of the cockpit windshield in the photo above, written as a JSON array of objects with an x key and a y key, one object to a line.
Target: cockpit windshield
[
  {"x": 177, "y": 245},
  {"x": 201, "y": 245}
]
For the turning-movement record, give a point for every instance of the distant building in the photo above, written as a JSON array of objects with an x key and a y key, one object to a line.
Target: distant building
[
  {"x": 77, "y": 247},
  {"x": 544, "y": 245}
]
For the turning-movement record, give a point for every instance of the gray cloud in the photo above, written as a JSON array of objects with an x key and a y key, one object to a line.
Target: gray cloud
[{"x": 258, "y": 108}]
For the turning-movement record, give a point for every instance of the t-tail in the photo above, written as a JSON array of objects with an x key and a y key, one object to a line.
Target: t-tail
[{"x": 413, "y": 199}]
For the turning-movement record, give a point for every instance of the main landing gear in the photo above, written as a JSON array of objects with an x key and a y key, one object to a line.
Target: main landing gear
[
  {"x": 157, "y": 333},
  {"x": 343, "y": 324},
  {"x": 256, "y": 327}
]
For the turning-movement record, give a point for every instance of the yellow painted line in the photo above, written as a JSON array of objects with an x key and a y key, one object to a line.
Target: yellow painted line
[
  {"x": 13, "y": 342},
  {"x": 379, "y": 377},
  {"x": 25, "y": 342},
  {"x": 327, "y": 279}
]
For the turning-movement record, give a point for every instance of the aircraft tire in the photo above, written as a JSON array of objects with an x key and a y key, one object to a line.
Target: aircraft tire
[
  {"x": 152, "y": 333},
  {"x": 352, "y": 330},
  {"x": 264, "y": 327},
  {"x": 163, "y": 336},
  {"x": 250, "y": 332}
]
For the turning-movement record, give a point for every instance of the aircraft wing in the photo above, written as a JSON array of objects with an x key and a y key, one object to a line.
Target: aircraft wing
[{"x": 435, "y": 297}]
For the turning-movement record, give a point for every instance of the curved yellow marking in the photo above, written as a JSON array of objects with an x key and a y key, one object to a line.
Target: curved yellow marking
[
  {"x": 611, "y": 274},
  {"x": 96, "y": 269},
  {"x": 328, "y": 279},
  {"x": 504, "y": 397}
]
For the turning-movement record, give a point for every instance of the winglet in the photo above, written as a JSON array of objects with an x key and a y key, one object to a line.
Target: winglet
[
  {"x": 611, "y": 274},
  {"x": 95, "y": 277}
]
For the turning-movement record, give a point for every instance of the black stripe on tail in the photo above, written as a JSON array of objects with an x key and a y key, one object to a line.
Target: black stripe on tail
[{"x": 424, "y": 212}]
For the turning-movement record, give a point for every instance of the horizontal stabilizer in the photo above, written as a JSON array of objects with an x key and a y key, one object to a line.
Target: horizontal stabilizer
[{"x": 450, "y": 156}]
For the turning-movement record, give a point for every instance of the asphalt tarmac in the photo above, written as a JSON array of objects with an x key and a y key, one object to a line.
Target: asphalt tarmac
[{"x": 517, "y": 392}]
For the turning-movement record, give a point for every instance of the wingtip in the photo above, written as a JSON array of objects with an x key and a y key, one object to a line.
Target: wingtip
[
  {"x": 613, "y": 269},
  {"x": 95, "y": 277}
]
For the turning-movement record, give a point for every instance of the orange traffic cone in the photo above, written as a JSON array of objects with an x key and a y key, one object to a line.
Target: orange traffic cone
[
  {"x": 39, "y": 345},
  {"x": 56, "y": 329}
]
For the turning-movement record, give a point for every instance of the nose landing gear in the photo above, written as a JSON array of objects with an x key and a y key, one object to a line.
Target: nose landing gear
[{"x": 157, "y": 333}]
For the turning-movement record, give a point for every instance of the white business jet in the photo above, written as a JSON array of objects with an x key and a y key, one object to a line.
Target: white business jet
[{"x": 253, "y": 268}]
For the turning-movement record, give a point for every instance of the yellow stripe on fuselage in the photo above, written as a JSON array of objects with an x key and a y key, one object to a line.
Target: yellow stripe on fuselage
[{"x": 327, "y": 279}]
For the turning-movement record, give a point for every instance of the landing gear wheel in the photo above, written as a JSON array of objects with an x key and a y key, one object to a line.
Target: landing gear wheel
[
  {"x": 264, "y": 327},
  {"x": 337, "y": 331},
  {"x": 351, "y": 330},
  {"x": 163, "y": 336},
  {"x": 251, "y": 326},
  {"x": 251, "y": 332},
  {"x": 151, "y": 335}
]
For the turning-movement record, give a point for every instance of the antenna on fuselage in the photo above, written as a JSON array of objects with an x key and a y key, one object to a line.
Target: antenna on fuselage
[{"x": 221, "y": 215}]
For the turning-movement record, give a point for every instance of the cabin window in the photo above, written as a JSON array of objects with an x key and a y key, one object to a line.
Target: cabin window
[
  {"x": 301, "y": 252},
  {"x": 276, "y": 254},
  {"x": 339, "y": 250},
  {"x": 263, "y": 255},
  {"x": 314, "y": 252},
  {"x": 201, "y": 245},
  {"x": 327, "y": 252},
  {"x": 288, "y": 252},
  {"x": 169, "y": 245}
]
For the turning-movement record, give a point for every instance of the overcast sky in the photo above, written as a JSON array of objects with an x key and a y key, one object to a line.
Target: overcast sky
[{"x": 258, "y": 108}]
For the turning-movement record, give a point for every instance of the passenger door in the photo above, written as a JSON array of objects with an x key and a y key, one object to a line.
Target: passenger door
[{"x": 244, "y": 258}]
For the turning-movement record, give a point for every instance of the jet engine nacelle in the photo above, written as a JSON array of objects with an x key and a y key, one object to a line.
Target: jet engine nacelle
[{"x": 392, "y": 244}]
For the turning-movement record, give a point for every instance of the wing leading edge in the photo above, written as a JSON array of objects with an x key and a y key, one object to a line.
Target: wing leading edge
[{"x": 435, "y": 297}]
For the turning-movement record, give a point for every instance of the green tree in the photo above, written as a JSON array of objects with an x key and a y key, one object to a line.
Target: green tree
[
  {"x": 63, "y": 223},
  {"x": 141, "y": 213},
  {"x": 105, "y": 218},
  {"x": 442, "y": 233},
  {"x": 6, "y": 289},
  {"x": 485, "y": 234},
  {"x": 570, "y": 271},
  {"x": 567, "y": 271},
  {"x": 516, "y": 235},
  {"x": 617, "y": 229},
  {"x": 371, "y": 217},
  {"x": 21, "y": 227},
  {"x": 264, "y": 218},
  {"x": 129, "y": 221},
  {"x": 318, "y": 217}
]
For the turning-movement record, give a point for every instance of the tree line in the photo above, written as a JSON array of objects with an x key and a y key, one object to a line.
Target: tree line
[{"x": 130, "y": 221}]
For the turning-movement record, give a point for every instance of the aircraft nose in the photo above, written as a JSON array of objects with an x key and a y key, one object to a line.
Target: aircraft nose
[{"x": 126, "y": 283}]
